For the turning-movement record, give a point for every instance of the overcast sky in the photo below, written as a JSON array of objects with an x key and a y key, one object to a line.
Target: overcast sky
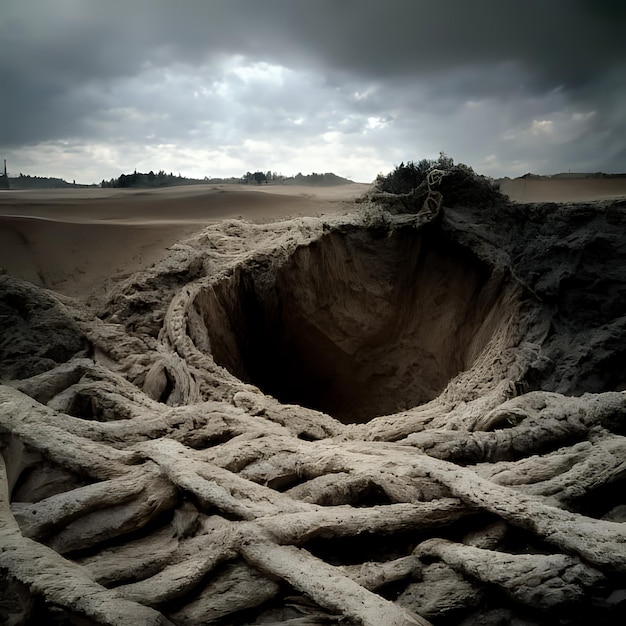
[{"x": 90, "y": 89}]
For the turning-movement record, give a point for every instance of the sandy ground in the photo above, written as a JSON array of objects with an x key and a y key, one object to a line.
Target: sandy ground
[
  {"x": 75, "y": 241},
  {"x": 563, "y": 189}
]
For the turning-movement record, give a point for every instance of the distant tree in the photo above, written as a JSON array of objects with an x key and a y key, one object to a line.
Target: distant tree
[
  {"x": 444, "y": 162},
  {"x": 25, "y": 181},
  {"x": 259, "y": 177},
  {"x": 139, "y": 179}
]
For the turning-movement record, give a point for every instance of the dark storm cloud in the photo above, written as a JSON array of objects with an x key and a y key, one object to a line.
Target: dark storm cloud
[
  {"x": 573, "y": 37},
  {"x": 79, "y": 68}
]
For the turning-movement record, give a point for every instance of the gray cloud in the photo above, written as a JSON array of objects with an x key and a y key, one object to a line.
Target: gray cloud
[{"x": 499, "y": 85}]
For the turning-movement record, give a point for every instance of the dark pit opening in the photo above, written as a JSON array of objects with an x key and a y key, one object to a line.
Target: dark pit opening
[{"x": 358, "y": 324}]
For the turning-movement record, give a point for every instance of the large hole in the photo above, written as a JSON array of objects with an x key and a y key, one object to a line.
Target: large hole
[{"x": 357, "y": 324}]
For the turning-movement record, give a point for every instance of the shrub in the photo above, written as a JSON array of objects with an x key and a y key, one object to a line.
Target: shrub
[
  {"x": 460, "y": 186},
  {"x": 406, "y": 178}
]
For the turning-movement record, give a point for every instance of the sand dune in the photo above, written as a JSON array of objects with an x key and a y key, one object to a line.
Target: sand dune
[
  {"x": 563, "y": 189},
  {"x": 73, "y": 240}
]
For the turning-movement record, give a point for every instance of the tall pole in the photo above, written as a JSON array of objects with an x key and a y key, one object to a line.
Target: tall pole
[{"x": 4, "y": 179}]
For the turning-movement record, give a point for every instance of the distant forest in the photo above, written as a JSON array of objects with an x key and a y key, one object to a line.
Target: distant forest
[
  {"x": 24, "y": 181},
  {"x": 162, "y": 179}
]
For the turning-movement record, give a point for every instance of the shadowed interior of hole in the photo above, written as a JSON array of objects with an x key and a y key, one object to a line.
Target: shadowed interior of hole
[{"x": 358, "y": 324}]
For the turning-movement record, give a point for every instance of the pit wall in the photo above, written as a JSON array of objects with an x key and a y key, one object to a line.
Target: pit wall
[{"x": 360, "y": 323}]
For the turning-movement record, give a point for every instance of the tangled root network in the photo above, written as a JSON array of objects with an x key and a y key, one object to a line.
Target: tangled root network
[{"x": 375, "y": 418}]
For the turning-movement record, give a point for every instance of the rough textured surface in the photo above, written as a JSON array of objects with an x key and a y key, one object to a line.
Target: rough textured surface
[{"x": 367, "y": 419}]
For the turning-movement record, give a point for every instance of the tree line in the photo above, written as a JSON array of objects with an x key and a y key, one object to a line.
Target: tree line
[
  {"x": 162, "y": 179},
  {"x": 138, "y": 179}
]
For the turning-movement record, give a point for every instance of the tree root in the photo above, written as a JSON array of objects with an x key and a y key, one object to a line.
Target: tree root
[
  {"x": 41, "y": 569},
  {"x": 539, "y": 581}
]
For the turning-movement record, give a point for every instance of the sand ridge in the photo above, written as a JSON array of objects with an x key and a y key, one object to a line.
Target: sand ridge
[
  {"x": 74, "y": 240},
  {"x": 563, "y": 189}
]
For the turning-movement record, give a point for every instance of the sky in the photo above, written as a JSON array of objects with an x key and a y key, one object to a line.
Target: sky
[{"x": 92, "y": 89}]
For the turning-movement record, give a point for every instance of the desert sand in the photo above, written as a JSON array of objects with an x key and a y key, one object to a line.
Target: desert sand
[
  {"x": 73, "y": 241},
  {"x": 563, "y": 189},
  {"x": 77, "y": 241},
  {"x": 359, "y": 415}
]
